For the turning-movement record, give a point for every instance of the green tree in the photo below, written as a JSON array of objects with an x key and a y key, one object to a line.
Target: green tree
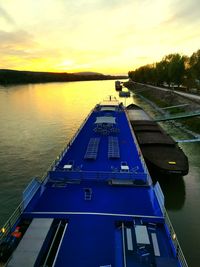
[
  {"x": 161, "y": 72},
  {"x": 194, "y": 71},
  {"x": 174, "y": 68}
]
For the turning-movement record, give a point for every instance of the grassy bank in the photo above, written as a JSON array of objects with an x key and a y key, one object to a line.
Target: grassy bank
[{"x": 165, "y": 99}]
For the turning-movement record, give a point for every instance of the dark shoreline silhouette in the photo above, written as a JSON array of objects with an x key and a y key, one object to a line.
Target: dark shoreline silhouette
[{"x": 8, "y": 77}]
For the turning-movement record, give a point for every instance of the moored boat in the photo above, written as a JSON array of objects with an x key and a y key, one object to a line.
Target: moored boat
[
  {"x": 96, "y": 206},
  {"x": 162, "y": 154},
  {"x": 118, "y": 86},
  {"x": 124, "y": 93}
]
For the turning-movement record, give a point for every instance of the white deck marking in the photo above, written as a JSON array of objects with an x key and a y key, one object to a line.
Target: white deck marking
[
  {"x": 129, "y": 239},
  {"x": 155, "y": 244},
  {"x": 91, "y": 213}
]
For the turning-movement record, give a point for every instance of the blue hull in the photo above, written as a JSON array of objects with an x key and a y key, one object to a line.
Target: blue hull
[{"x": 96, "y": 206}]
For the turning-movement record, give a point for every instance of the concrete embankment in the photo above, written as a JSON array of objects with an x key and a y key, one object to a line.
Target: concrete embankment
[{"x": 170, "y": 96}]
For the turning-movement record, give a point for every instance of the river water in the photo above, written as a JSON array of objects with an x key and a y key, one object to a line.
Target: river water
[{"x": 37, "y": 121}]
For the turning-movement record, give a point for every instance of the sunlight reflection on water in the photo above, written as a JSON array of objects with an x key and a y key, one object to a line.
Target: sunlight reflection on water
[{"x": 38, "y": 120}]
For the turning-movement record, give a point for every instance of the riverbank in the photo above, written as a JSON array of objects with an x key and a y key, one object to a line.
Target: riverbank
[
  {"x": 165, "y": 99},
  {"x": 8, "y": 77}
]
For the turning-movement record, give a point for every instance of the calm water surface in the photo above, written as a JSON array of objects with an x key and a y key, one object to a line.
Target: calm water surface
[{"x": 37, "y": 121}]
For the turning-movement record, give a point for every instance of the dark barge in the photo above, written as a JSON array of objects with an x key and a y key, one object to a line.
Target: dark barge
[{"x": 161, "y": 153}]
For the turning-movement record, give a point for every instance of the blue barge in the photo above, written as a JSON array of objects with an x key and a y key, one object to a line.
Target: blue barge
[{"x": 95, "y": 207}]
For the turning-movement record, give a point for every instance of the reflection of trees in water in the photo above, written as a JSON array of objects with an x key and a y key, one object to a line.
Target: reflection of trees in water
[{"x": 173, "y": 188}]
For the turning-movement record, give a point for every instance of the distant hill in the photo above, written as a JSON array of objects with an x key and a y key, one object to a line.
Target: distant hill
[
  {"x": 88, "y": 73},
  {"x": 22, "y": 77}
]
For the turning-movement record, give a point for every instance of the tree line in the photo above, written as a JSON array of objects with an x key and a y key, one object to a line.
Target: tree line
[
  {"x": 173, "y": 69},
  {"x": 23, "y": 77}
]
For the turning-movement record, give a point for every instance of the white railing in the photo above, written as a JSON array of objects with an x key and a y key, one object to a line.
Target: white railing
[
  {"x": 179, "y": 252},
  {"x": 160, "y": 196},
  {"x": 65, "y": 176},
  {"x": 172, "y": 234},
  {"x": 65, "y": 149},
  {"x": 6, "y": 229}
]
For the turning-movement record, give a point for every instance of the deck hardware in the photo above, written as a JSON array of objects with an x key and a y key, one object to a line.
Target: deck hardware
[
  {"x": 88, "y": 193},
  {"x": 124, "y": 166}
]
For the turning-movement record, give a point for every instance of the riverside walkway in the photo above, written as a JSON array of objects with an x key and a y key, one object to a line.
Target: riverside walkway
[{"x": 188, "y": 95}]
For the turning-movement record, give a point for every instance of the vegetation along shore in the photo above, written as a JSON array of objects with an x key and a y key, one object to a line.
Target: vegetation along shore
[
  {"x": 22, "y": 77},
  {"x": 174, "y": 70}
]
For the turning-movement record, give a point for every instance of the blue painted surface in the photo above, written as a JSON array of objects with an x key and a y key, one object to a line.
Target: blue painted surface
[
  {"x": 89, "y": 241},
  {"x": 109, "y": 199},
  {"x": 96, "y": 240},
  {"x": 128, "y": 150}
]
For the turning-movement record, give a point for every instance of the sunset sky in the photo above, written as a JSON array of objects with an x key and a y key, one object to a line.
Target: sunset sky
[{"x": 107, "y": 36}]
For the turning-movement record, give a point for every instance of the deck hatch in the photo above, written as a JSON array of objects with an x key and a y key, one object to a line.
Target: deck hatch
[
  {"x": 113, "y": 147},
  {"x": 31, "y": 243},
  {"x": 105, "y": 119},
  {"x": 141, "y": 233},
  {"x": 92, "y": 148},
  {"x": 108, "y": 108}
]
